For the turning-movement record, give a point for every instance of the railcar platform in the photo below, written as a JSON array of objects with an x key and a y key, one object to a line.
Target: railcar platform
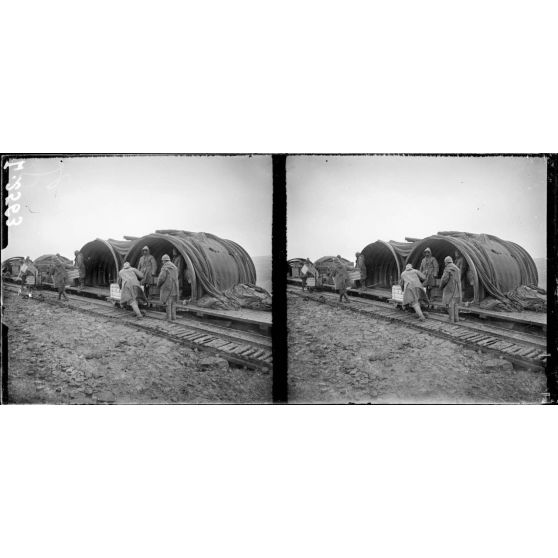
[
  {"x": 536, "y": 320},
  {"x": 251, "y": 318}
]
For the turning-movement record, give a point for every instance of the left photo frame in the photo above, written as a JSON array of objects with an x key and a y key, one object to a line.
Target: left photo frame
[{"x": 137, "y": 279}]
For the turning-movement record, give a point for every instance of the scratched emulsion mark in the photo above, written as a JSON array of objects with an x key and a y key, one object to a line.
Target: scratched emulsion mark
[
  {"x": 55, "y": 178},
  {"x": 14, "y": 184}
]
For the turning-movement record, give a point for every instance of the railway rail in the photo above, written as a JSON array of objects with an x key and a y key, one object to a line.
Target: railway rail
[
  {"x": 238, "y": 347},
  {"x": 522, "y": 349}
]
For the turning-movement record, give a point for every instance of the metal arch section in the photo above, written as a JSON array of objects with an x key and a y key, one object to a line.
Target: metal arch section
[
  {"x": 415, "y": 257},
  {"x": 134, "y": 253},
  {"x": 216, "y": 264},
  {"x": 246, "y": 267},
  {"x": 380, "y": 257},
  {"x": 294, "y": 263},
  {"x": 89, "y": 249}
]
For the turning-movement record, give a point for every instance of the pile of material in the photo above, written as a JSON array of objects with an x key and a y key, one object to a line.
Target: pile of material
[
  {"x": 239, "y": 296},
  {"x": 326, "y": 267},
  {"x": 45, "y": 263},
  {"x": 528, "y": 298}
]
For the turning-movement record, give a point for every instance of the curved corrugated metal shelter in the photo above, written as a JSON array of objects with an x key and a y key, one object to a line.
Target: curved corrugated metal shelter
[
  {"x": 14, "y": 264},
  {"x": 496, "y": 266},
  {"x": 295, "y": 265},
  {"x": 44, "y": 263},
  {"x": 385, "y": 261},
  {"x": 326, "y": 265},
  {"x": 103, "y": 259},
  {"x": 215, "y": 264}
]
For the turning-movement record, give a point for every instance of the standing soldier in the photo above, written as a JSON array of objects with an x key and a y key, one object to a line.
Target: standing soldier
[
  {"x": 342, "y": 280},
  {"x": 429, "y": 268},
  {"x": 308, "y": 270},
  {"x": 178, "y": 261},
  {"x": 168, "y": 282},
  {"x": 148, "y": 268},
  {"x": 451, "y": 283},
  {"x": 60, "y": 277},
  {"x": 461, "y": 263},
  {"x": 29, "y": 274},
  {"x": 80, "y": 264},
  {"x": 361, "y": 266}
]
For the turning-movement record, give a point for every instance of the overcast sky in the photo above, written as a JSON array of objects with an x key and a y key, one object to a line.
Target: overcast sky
[
  {"x": 338, "y": 205},
  {"x": 67, "y": 202}
]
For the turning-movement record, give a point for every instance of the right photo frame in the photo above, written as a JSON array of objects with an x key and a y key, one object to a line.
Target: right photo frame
[{"x": 417, "y": 279}]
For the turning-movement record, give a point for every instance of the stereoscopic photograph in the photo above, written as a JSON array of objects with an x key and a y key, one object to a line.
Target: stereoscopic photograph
[
  {"x": 138, "y": 279},
  {"x": 417, "y": 279}
]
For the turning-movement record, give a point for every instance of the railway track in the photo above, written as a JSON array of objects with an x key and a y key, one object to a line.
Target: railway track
[
  {"x": 238, "y": 347},
  {"x": 522, "y": 349}
]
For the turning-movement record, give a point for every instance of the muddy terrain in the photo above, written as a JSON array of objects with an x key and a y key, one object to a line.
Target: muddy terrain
[
  {"x": 58, "y": 355},
  {"x": 338, "y": 356}
]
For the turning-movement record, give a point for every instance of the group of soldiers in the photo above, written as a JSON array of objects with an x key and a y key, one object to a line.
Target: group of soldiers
[
  {"x": 417, "y": 284},
  {"x": 135, "y": 283}
]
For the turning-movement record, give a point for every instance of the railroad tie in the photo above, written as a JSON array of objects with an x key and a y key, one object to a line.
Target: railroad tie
[
  {"x": 184, "y": 334},
  {"x": 524, "y": 351},
  {"x": 488, "y": 342},
  {"x": 204, "y": 339},
  {"x": 194, "y": 336},
  {"x": 216, "y": 343},
  {"x": 533, "y": 353},
  {"x": 228, "y": 347},
  {"x": 250, "y": 352},
  {"x": 512, "y": 350},
  {"x": 463, "y": 336},
  {"x": 477, "y": 338}
]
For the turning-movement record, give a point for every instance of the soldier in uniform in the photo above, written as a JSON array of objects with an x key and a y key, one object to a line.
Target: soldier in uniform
[
  {"x": 147, "y": 266},
  {"x": 361, "y": 266},
  {"x": 451, "y": 285},
  {"x": 178, "y": 261},
  {"x": 429, "y": 268},
  {"x": 128, "y": 280},
  {"x": 80, "y": 264},
  {"x": 342, "y": 280},
  {"x": 60, "y": 277},
  {"x": 168, "y": 282},
  {"x": 413, "y": 291}
]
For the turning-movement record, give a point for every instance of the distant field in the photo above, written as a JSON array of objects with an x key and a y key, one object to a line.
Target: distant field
[
  {"x": 263, "y": 271},
  {"x": 541, "y": 268}
]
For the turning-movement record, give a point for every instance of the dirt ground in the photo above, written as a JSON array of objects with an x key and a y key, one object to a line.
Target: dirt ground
[
  {"x": 339, "y": 356},
  {"x": 58, "y": 355}
]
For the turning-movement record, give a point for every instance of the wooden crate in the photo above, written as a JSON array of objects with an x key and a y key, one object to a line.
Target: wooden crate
[
  {"x": 73, "y": 274},
  {"x": 115, "y": 291},
  {"x": 397, "y": 293}
]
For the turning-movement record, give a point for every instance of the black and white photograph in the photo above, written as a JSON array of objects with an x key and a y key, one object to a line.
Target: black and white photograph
[
  {"x": 138, "y": 279},
  {"x": 417, "y": 279},
  {"x": 278, "y": 279}
]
